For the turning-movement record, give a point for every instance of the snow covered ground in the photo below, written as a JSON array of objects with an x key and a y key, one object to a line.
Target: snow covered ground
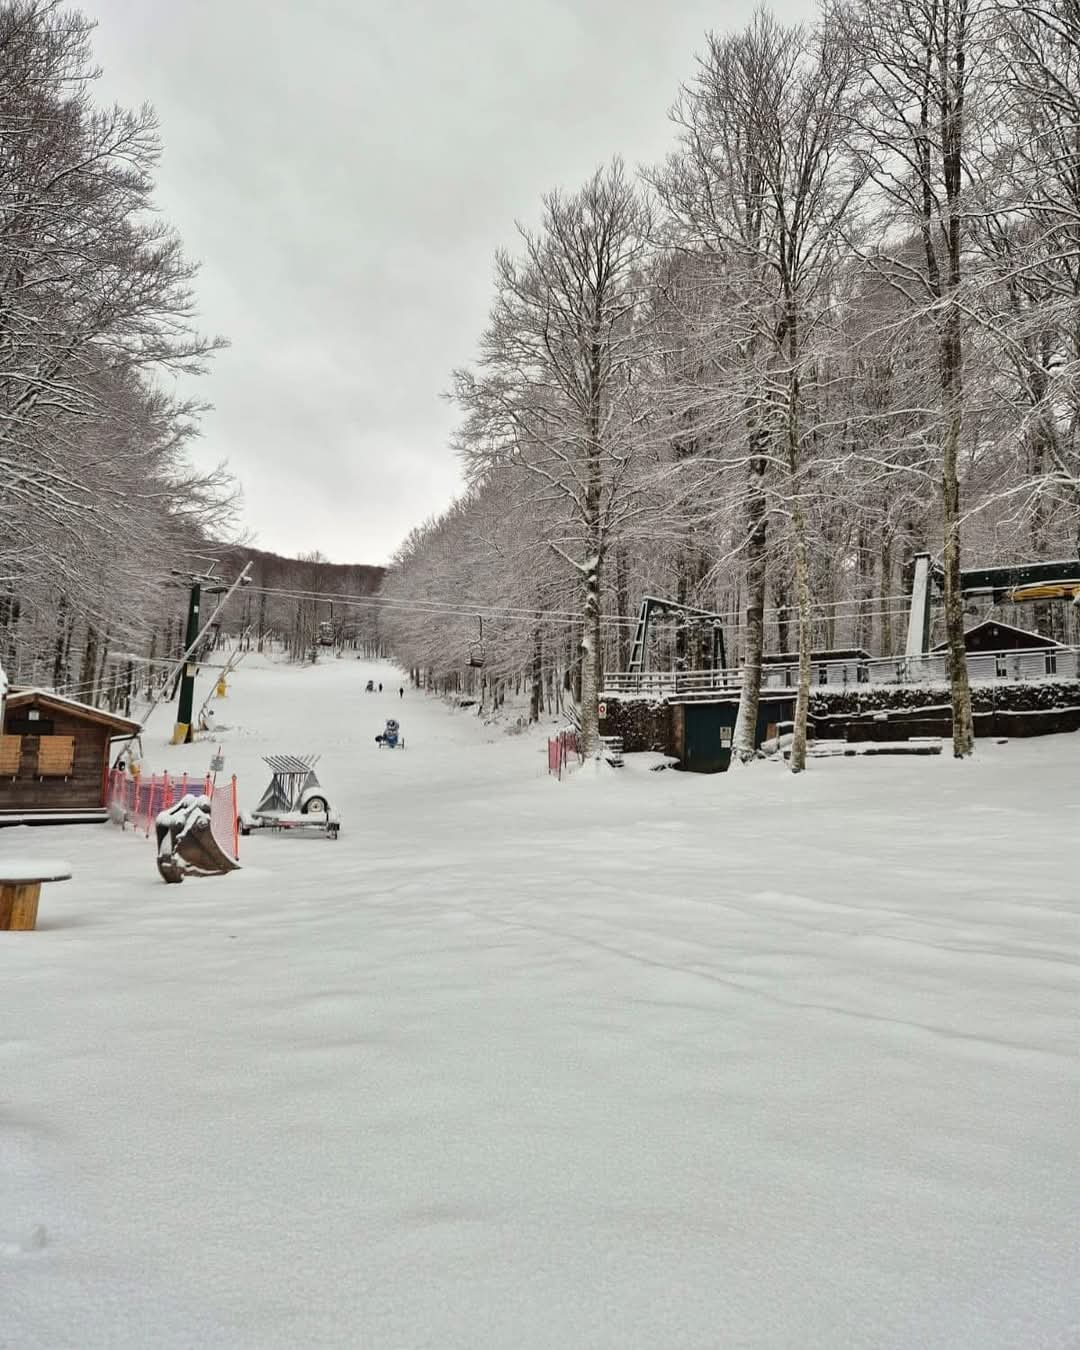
[{"x": 638, "y": 1060}]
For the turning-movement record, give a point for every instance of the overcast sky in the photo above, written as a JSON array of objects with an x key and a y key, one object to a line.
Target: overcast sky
[{"x": 344, "y": 171}]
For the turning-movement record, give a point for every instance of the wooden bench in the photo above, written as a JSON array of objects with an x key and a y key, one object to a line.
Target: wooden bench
[{"x": 20, "y": 886}]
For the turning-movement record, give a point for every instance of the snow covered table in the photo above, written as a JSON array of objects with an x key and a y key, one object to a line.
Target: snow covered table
[{"x": 20, "y": 886}]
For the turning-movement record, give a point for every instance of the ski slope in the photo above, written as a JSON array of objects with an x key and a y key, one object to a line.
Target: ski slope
[{"x": 634, "y": 1060}]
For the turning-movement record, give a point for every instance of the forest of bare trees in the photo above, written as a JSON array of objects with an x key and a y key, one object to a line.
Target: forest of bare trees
[
  {"x": 838, "y": 326},
  {"x": 300, "y": 604},
  {"x": 98, "y": 499},
  {"x": 103, "y": 519}
]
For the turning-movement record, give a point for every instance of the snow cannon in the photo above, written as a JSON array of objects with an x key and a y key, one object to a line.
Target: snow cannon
[{"x": 391, "y": 738}]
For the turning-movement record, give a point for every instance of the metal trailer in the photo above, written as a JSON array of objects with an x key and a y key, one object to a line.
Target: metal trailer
[{"x": 294, "y": 799}]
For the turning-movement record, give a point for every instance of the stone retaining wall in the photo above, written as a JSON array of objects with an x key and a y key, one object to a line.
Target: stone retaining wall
[
  {"x": 1021, "y": 696},
  {"x": 1033, "y": 708},
  {"x": 1028, "y": 708},
  {"x": 642, "y": 724}
]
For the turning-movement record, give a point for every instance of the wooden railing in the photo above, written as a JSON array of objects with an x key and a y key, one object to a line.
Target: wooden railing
[{"x": 1056, "y": 663}]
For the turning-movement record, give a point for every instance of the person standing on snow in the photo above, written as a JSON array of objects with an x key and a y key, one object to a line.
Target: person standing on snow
[{"x": 401, "y": 692}]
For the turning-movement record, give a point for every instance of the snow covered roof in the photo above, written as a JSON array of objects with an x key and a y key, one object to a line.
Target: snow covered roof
[
  {"x": 829, "y": 654},
  {"x": 47, "y": 698},
  {"x": 993, "y": 628}
]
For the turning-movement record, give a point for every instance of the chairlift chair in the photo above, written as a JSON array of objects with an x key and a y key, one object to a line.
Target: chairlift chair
[{"x": 476, "y": 649}]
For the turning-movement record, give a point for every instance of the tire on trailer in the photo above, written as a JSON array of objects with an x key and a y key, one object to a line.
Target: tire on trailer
[{"x": 319, "y": 804}]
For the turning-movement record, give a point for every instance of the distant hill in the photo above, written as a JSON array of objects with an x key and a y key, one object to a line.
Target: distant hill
[{"x": 274, "y": 570}]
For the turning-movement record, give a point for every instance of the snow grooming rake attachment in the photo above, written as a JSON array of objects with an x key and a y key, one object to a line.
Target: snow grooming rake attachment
[
  {"x": 295, "y": 800},
  {"x": 185, "y": 842}
]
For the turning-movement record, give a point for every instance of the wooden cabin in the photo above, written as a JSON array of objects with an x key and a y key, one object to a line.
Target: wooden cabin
[
  {"x": 836, "y": 665},
  {"x": 54, "y": 756},
  {"x": 992, "y": 636}
]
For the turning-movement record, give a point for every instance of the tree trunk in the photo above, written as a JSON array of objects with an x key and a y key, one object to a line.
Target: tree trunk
[
  {"x": 952, "y": 389},
  {"x": 743, "y": 741},
  {"x": 9, "y": 621},
  {"x": 782, "y": 601},
  {"x": 680, "y": 653},
  {"x": 60, "y": 645},
  {"x": 865, "y": 565},
  {"x": 588, "y": 702},
  {"x": 89, "y": 664},
  {"x": 806, "y": 636},
  {"x": 99, "y": 679},
  {"x": 886, "y": 648},
  {"x": 622, "y": 603},
  {"x": 802, "y": 562},
  {"x": 1037, "y": 438},
  {"x": 536, "y": 693},
  {"x": 591, "y": 652},
  {"x": 960, "y": 689}
]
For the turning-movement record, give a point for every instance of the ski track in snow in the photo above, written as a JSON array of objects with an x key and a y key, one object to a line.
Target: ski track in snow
[{"x": 632, "y": 1060}]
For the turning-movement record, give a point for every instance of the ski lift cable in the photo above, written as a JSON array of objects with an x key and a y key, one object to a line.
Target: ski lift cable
[
  {"x": 460, "y": 609},
  {"x": 456, "y": 611},
  {"x": 472, "y": 607},
  {"x": 569, "y": 619},
  {"x": 76, "y": 688}
]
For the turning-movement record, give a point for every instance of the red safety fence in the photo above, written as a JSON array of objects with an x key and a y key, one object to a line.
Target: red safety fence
[
  {"x": 225, "y": 816},
  {"x": 140, "y": 799},
  {"x": 560, "y": 748}
]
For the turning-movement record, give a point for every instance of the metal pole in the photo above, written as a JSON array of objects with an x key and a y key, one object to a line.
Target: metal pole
[
  {"x": 182, "y": 730},
  {"x": 918, "y": 634},
  {"x": 240, "y": 580}
]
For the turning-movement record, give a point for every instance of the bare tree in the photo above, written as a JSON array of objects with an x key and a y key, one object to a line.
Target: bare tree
[
  {"x": 716, "y": 190},
  {"x": 95, "y": 298},
  {"x": 552, "y": 392},
  {"x": 915, "y": 139},
  {"x": 757, "y": 186}
]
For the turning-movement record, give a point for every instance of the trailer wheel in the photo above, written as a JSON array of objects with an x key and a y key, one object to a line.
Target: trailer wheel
[{"x": 315, "y": 804}]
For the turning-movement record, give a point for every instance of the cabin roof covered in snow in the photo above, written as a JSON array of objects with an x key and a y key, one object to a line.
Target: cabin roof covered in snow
[
  {"x": 994, "y": 628},
  {"x": 829, "y": 654},
  {"x": 47, "y": 698}
]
